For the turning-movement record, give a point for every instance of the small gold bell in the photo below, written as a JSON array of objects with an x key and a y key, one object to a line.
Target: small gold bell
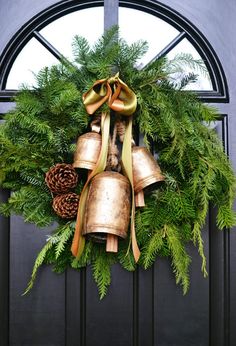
[
  {"x": 108, "y": 207},
  {"x": 145, "y": 172},
  {"x": 87, "y": 150}
]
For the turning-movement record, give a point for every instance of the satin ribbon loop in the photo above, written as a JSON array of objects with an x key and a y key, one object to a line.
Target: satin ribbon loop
[
  {"x": 95, "y": 97},
  {"x": 121, "y": 99}
]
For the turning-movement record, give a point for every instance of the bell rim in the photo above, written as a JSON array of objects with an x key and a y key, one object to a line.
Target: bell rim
[
  {"x": 84, "y": 164},
  {"x": 148, "y": 181},
  {"x": 104, "y": 229}
]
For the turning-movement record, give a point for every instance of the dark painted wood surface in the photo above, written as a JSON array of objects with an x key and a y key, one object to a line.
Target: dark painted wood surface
[
  {"x": 144, "y": 308},
  {"x": 4, "y": 274}
]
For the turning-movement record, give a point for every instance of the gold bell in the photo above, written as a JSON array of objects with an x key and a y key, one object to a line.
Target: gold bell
[
  {"x": 146, "y": 172},
  {"x": 107, "y": 210},
  {"x": 87, "y": 150}
]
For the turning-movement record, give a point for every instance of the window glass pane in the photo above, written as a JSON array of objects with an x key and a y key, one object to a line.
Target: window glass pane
[
  {"x": 31, "y": 59},
  {"x": 135, "y": 25},
  {"x": 203, "y": 81},
  {"x": 87, "y": 23}
]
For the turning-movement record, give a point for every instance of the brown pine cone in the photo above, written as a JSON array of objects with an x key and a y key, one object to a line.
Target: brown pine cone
[
  {"x": 66, "y": 206},
  {"x": 61, "y": 178}
]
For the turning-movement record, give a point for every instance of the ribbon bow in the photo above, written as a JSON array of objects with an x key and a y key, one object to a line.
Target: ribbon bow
[{"x": 120, "y": 98}]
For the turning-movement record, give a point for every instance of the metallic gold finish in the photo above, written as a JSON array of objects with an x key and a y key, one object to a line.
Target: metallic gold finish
[
  {"x": 112, "y": 243},
  {"x": 145, "y": 169},
  {"x": 108, "y": 205},
  {"x": 139, "y": 199},
  {"x": 123, "y": 100},
  {"x": 87, "y": 150}
]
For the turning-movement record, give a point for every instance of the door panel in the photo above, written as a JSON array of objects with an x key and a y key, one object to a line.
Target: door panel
[
  {"x": 39, "y": 317},
  {"x": 181, "y": 320}
]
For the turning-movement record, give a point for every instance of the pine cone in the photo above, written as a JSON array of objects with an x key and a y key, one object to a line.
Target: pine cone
[
  {"x": 66, "y": 206},
  {"x": 61, "y": 178}
]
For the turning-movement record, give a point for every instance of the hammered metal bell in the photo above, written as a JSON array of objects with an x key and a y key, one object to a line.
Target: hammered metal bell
[
  {"x": 146, "y": 172},
  {"x": 107, "y": 206},
  {"x": 88, "y": 148}
]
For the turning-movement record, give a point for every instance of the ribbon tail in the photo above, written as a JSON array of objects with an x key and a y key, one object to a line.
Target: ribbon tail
[
  {"x": 127, "y": 165},
  {"x": 79, "y": 240}
]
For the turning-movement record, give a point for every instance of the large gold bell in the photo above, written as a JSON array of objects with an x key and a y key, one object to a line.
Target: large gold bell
[
  {"x": 146, "y": 172},
  {"x": 88, "y": 148},
  {"x": 107, "y": 207}
]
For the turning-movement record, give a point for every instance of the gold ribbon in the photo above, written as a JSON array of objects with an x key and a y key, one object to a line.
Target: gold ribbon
[
  {"x": 126, "y": 158},
  {"x": 121, "y": 99}
]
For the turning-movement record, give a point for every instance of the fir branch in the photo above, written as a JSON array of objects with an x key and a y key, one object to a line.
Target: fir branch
[
  {"x": 81, "y": 50},
  {"x": 33, "y": 203}
]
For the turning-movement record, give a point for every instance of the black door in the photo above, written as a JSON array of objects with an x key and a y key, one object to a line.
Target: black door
[{"x": 144, "y": 308}]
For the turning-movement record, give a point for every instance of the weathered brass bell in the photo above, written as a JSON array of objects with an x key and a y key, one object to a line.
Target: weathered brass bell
[
  {"x": 146, "y": 172},
  {"x": 88, "y": 148},
  {"x": 107, "y": 206}
]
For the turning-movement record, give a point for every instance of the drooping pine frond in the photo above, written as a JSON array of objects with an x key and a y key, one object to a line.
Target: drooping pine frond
[
  {"x": 38, "y": 262},
  {"x": 101, "y": 266},
  {"x": 151, "y": 249},
  {"x": 52, "y": 251},
  {"x": 180, "y": 258}
]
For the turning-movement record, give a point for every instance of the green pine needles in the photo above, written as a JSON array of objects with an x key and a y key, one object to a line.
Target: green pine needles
[{"x": 42, "y": 129}]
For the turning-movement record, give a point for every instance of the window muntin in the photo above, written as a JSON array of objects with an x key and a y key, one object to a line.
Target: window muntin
[
  {"x": 29, "y": 62},
  {"x": 89, "y": 23}
]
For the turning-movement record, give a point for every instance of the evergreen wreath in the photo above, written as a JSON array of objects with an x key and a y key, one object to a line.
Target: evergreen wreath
[{"x": 41, "y": 132}]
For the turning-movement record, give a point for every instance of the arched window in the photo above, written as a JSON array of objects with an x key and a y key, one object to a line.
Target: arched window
[{"x": 48, "y": 37}]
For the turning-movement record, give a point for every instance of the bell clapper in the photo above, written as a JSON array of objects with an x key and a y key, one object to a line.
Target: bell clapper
[
  {"x": 139, "y": 199},
  {"x": 112, "y": 243}
]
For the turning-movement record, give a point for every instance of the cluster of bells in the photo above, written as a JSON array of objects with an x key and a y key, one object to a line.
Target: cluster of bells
[{"x": 108, "y": 205}]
